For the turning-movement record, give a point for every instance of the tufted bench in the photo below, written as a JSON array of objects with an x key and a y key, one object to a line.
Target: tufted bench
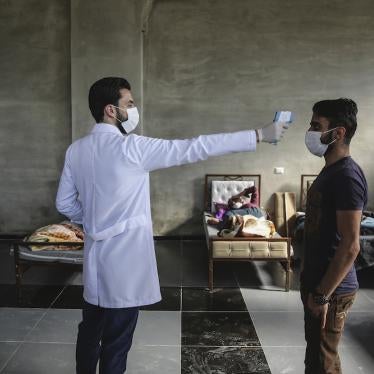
[{"x": 218, "y": 189}]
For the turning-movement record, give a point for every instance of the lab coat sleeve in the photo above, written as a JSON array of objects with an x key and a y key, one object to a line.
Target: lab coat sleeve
[
  {"x": 67, "y": 202},
  {"x": 159, "y": 153}
]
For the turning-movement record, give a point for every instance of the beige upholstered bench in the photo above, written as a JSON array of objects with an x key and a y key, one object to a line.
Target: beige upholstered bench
[{"x": 247, "y": 249}]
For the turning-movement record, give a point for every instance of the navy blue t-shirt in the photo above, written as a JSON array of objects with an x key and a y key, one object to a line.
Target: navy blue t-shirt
[{"x": 340, "y": 186}]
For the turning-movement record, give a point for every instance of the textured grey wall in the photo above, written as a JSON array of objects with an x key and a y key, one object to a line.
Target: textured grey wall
[
  {"x": 105, "y": 41},
  {"x": 202, "y": 67},
  {"x": 35, "y": 124},
  {"x": 214, "y": 66}
]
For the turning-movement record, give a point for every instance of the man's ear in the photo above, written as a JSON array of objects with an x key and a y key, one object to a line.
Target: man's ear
[
  {"x": 340, "y": 133},
  {"x": 110, "y": 111}
]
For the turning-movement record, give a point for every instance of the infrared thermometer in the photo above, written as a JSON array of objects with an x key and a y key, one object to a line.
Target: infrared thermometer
[{"x": 283, "y": 116}]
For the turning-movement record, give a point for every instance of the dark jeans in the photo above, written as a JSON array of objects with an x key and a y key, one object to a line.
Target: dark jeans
[
  {"x": 105, "y": 334},
  {"x": 321, "y": 356}
]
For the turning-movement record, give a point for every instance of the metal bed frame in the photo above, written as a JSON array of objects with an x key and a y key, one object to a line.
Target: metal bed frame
[{"x": 21, "y": 265}]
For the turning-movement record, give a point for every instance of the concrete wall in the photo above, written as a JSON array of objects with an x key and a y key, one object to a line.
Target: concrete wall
[
  {"x": 35, "y": 125},
  {"x": 105, "y": 41},
  {"x": 214, "y": 66},
  {"x": 201, "y": 67}
]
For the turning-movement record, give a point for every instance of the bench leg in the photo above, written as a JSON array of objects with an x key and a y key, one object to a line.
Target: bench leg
[
  {"x": 210, "y": 274},
  {"x": 288, "y": 270},
  {"x": 18, "y": 273}
]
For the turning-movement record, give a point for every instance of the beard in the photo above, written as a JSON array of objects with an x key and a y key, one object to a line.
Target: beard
[
  {"x": 120, "y": 118},
  {"x": 329, "y": 139}
]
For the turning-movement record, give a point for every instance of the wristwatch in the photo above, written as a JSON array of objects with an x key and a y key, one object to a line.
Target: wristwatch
[{"x": 320, "y": 299}]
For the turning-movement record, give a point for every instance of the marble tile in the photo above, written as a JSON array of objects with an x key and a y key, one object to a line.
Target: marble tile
[
  {"x": 221, "y": 299},
  {"x": 169, "y": 262},
  {"x": 32, "y": 296},
  {"x": 223, "y": 360},
  {"x": 285, "y": 360},
  {"x": 359, "y": 330},
  {"x": 71, "y": 298},
  {"x": 364, "y": 301},
  {"x": 194, "y": 264},
  {"x": 356, "y": 360},
  {"x": 6, "y": 351},
  {"x": 154, "y": 360},
  {"x": 171, "y": 300},
  {"x": 268, "y": 300},
  {"x": 264, "y": 275},
  {"x": 158, "y": 328},
  {"x": 279, "y": 328},
  {"x": 58, "y": 325},
  {"x": 16, "y": 323},
  {"x": 218, "y": 329},
  {"x": 39, "y": 358}
]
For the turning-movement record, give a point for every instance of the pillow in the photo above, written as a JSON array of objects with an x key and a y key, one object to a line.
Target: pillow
[{"x": 221, "y": 191}]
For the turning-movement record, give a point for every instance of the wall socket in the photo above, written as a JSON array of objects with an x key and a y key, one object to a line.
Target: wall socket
[{"x": 279, "y": 170}]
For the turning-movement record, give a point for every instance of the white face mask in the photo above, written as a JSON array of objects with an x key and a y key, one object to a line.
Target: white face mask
[
  {"x": 314, "y": 144},
  {"x": 237, "y": 205},
  {"x": 132, "y": 119}
]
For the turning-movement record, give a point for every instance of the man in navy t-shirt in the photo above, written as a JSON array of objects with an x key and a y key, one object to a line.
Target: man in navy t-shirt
[{"x": 335, "y": 203}]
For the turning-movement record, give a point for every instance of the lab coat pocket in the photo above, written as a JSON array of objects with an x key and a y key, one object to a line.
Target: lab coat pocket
[{"x": 120, "y": 227}]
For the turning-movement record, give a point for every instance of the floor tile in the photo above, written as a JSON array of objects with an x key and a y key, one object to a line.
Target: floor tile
[
  {"x": 356, "y": 360},
  {"x": 158, "y": 328},
  {"x": 6, "y": 351},
  {"x": 194, "y": 264},
  {"x": 285, "y": 360},
  {"x": 154, "y": 360},
  {"x": 218, "y": 329},
  {"x": 71, "y": 298},
  {"x": 268, "y": 300},
  {"x": 222, "y": 360},
  {"x": 279, "y": 328},
  {"x": 264, "y": 275},
  {"x": 32, "y": 296},
  {"x": 221, "y": 299},
  {"x": 169, "y": 262},
  {"x": 171, "y": 300},
  {"x": 39, "y": 358},
  {"x": 359, "y": 330},
  {"x": 16, "y": 323},
  {"x": 363, "y": 301},
  {"x": 58, "y": 325}
]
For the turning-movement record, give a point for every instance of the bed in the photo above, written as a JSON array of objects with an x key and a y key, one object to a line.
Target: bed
[
  {"x": 218, "y": 189},
  {"x": 24, "y": 257}
]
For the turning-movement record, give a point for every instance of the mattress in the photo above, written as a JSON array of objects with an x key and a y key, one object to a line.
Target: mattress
[
  {"x": 66, "y": 257},
  {"x": 239, "y": 248}
]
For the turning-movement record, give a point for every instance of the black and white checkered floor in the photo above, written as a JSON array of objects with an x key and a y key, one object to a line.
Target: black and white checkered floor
[{"x": 248, "y": 325}]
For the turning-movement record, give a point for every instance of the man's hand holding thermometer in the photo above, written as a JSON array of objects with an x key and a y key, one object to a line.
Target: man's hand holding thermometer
[{"x": 273, "y": 133}]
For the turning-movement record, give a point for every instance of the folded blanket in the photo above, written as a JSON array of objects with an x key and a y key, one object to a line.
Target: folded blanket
[{"x": 56, "y": 233}]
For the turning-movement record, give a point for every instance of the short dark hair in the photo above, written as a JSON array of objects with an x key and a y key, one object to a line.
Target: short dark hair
[
  {"x": 103, "y": 92},
  {"x": 340, "y": 112}
]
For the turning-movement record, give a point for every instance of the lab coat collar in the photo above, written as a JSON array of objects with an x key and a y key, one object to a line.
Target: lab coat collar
[{"x": 106, "y": 127}]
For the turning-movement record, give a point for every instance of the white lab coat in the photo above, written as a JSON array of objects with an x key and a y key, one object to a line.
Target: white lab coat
[{"x": 105, "y": 186}]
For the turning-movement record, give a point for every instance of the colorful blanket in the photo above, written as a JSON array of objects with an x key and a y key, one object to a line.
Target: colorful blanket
[{"x": 57, "y": 233}]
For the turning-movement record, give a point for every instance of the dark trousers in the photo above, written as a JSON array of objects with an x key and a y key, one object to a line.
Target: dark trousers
[
  {"x": 105, "y": 334},
  {"x": 321, "y": 355}
]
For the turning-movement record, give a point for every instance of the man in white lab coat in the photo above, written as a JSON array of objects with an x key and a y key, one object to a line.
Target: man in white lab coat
[{"x": 105, "y": 186}]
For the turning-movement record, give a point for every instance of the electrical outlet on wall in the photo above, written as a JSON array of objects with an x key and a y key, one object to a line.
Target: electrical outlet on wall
[{"x": 279, "y": 170}]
